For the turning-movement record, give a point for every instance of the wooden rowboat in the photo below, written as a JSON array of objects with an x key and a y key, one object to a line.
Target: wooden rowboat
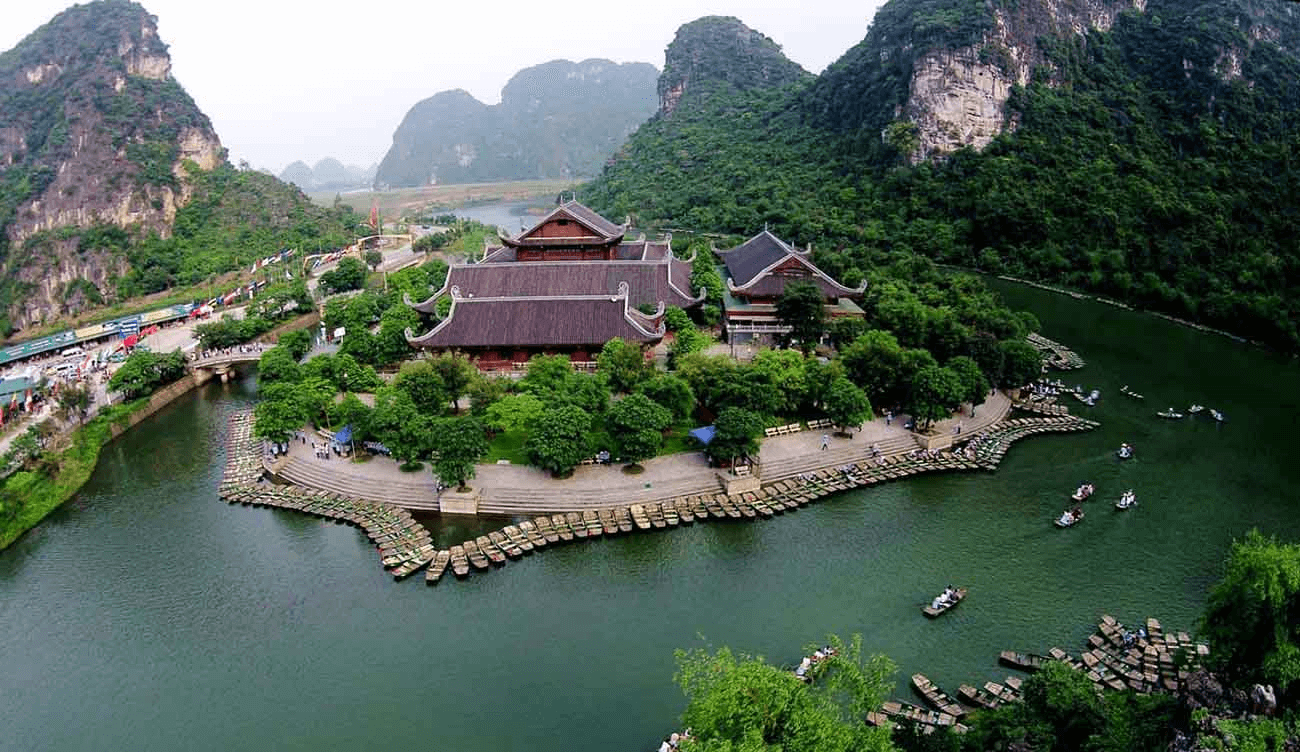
[
  {"x": 459, "y": 564},
  {"x": 935, "y": 697},
  {"x": 1024, "y": 661},
  {"x": 561, "y": 527},
  {"x": 932, "y": 612},
  {"x": 977, "y": 697},
  {"x": 439, "y": 565}
]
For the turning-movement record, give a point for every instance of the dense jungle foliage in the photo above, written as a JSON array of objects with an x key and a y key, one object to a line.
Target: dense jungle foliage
[{"x": 1157, "y": 163}]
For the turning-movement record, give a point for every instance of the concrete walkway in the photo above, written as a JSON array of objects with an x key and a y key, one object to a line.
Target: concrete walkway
[{"x": 519, "y": 489}]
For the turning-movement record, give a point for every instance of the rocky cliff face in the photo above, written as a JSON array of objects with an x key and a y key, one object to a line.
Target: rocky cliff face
[
  {"x": 96, "y": 133},
  {"x": 957, "y": 97},
  {"x": 722, "y": 50},
  {"x": 558, "y": 119}
]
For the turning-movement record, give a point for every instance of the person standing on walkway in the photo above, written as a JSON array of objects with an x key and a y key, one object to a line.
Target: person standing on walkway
[{"x": 826, "y": 441}]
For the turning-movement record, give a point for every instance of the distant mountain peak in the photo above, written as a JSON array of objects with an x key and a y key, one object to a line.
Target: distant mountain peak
[
  {"x": 559, "y": 119},
  {"x": 723, "y": 49}
]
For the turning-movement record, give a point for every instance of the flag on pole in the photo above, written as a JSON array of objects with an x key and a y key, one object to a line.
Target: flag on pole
[{"x": 374, "y": 216}]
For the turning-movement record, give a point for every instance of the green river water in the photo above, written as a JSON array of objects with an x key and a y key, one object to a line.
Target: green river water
[{"x": 148, "y": 615}]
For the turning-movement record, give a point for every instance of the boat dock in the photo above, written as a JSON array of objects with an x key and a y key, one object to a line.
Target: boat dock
[{"x": 1055, "y": 354}]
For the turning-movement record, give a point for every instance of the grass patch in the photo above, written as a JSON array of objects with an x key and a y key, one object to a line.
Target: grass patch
[{"x": 508, "y": 445}]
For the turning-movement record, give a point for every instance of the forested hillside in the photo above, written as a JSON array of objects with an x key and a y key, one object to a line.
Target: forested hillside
[
  {"x": 112, "y": 181},
  {"x": 1153, "y": 158}
]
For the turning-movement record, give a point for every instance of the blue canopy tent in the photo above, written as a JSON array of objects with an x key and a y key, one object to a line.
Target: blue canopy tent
[
  {"x": 704, "y": 434},
  {"x": 344, "y": 435}
]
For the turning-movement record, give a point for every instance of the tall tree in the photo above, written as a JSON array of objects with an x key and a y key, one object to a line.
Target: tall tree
[
  {"x": 801, "y": 307},
  {"x": 1021, "y": 363},
  {"x": 936, "y": 392},
  {"x": 456, "y": 372},
  {"x": 738, "y": 702},
  {"x": 1252, "y": 619},
  {"x": 560, "y": 440},
  {"x": 623, "y": 364},
  {"x": 458, "y": 444},
  {"x": 74, "y": 400},
  {"x": 736, "y": 432},
  {"x": 974, "y": 387},
  {"x": 846, "y": 405},
  {"x": 425, "y": 387},
  {"x": 670, "y": 391},
  {"x": 636, "y": 423},
  {"x": 277, "y": 364}
]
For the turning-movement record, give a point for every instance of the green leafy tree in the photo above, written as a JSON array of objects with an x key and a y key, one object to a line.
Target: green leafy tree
[
  {"x": 1021, "y": 363},
  {"x": 676, "y": 320},
  {"x": 623, "y": 364},
  {"x": 974, "y": 387},
  {"x": 1066, "y": 701},
  {"x": 738, "y": 702},
  {"x": 277, "y": 364},
  {"x": 143, "y": 372},
  {"x": 736, "y": 432},
  {"x": 514, "y": 412},
  {"x": 1252, "y": 620},
  {"x": 456, "y": 372},
  {"x": 373, "y": 259},
  {"x": 297, "y": 342},
  {"x": 802, "y": 308},
  {"x": 636, "y": 423},
  {"x": 787, "y": 370},
  {"x": 547, "y": 374},
  {"x": 685, "y": 342},
  {"x": 424, "y": 386},
  {"x": 560, "y": 439},
  {"x": 936, "y": 392},
  {"x": 398, "y": 424},
  {"x": 350, "y": 274},
  {"x": 709, "y": 376},
  {"x": 670, "y": 391},
  {"x": 847, "y": 405},
  {"x": 458, "y": 444},
  {"x": 282, "y": 410},
  {"x": 484, "y": 391},
  {"x": 875, "y": 362},
  {"x": 390, "y": 343},
  {"x": 351, "y": 411}
]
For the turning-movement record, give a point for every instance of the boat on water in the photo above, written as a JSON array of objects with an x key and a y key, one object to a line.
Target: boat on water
[
  {"x": 1082, "y": 492},
  {"x": 1125, "y": 452},
  {"x": 978, "y": 697},
  {"x": 1069, "y": 518},
  {"x": 935, "y": 697},
  {"x": 918, "y": 714},
  {"x": 1194, "y": 409},
  {"x": 1024, "y": 661},
  {"x": 1170, "y": 414},
  {"x": 946, "y": 600},
  {"x": 1126, "y": 500},
  {"x": 439, "y": 565},
  {"x": 1125, "y": 390},
  {"x": 1216, "y": 415}
]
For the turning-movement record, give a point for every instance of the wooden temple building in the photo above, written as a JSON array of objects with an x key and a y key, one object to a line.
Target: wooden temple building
[
  {"x": 757, "y": 272},
  {"x": 567, "y": 285}
]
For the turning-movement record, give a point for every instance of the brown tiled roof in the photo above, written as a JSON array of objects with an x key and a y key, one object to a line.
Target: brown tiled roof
[
  {"x": 745, "y": 261},
  {"x": 750, "y": 264},
  {"x": 538, "y": 322},
  {"x": 649, "y": 282},
  {"x": 606, "y": 230}
]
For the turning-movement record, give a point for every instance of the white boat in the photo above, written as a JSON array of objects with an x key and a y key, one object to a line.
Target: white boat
[
  {"x": 1125, "y": 390},
  {"x": 1216, "y": 415},
  {"x": 1128, "y": 499},
  {"x": 1125, "y": 451},
  {"x": 1083, "y": 492},
  {"x": 1194, "y": 409},
  {"x": 1068, "y": 518},
  {"x": 1170, "y": 414}
]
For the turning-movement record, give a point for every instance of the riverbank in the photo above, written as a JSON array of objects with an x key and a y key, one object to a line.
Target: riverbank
[{"x": 29, "y": 496}]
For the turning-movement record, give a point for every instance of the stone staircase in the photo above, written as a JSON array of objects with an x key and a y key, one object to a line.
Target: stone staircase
[
  {"x": 519, "y": 501},
  {"x": 420, "y": 492}
]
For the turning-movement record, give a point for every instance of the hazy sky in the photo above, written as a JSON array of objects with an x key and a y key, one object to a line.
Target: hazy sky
[{"x": 293, "y": 79}]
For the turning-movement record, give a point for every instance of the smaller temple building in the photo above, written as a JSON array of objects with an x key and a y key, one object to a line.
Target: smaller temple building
[
  {"x": 567, "y": 285},
  {"x": 756, "y": 274}
]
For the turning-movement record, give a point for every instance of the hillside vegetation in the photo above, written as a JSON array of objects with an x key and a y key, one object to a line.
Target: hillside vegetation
[{"x": 1155, "y": 162}]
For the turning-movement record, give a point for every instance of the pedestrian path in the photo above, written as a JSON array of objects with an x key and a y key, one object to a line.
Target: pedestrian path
[{"x": 518, "y": 489}]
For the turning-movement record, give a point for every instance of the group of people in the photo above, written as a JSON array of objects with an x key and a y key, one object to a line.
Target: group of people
[
  {"x": 1070, "y": 516},
  {"x": 675, "y": 740},
  {"x": 1125, "y": 451},
  {"x": 804, "y": 670},
  {"x": 255, "y": 347},
  {"x": 1084, "y": 491},
  {"x": 1127, "y": 499},
  {"x": 944, "y": 599}
]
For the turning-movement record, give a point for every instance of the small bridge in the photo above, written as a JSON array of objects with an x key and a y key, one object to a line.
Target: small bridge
[{"x": 220, "y": 363}]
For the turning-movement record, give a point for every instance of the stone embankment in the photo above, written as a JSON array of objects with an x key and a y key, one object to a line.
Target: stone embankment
[{"x": 405, "y": 546}]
